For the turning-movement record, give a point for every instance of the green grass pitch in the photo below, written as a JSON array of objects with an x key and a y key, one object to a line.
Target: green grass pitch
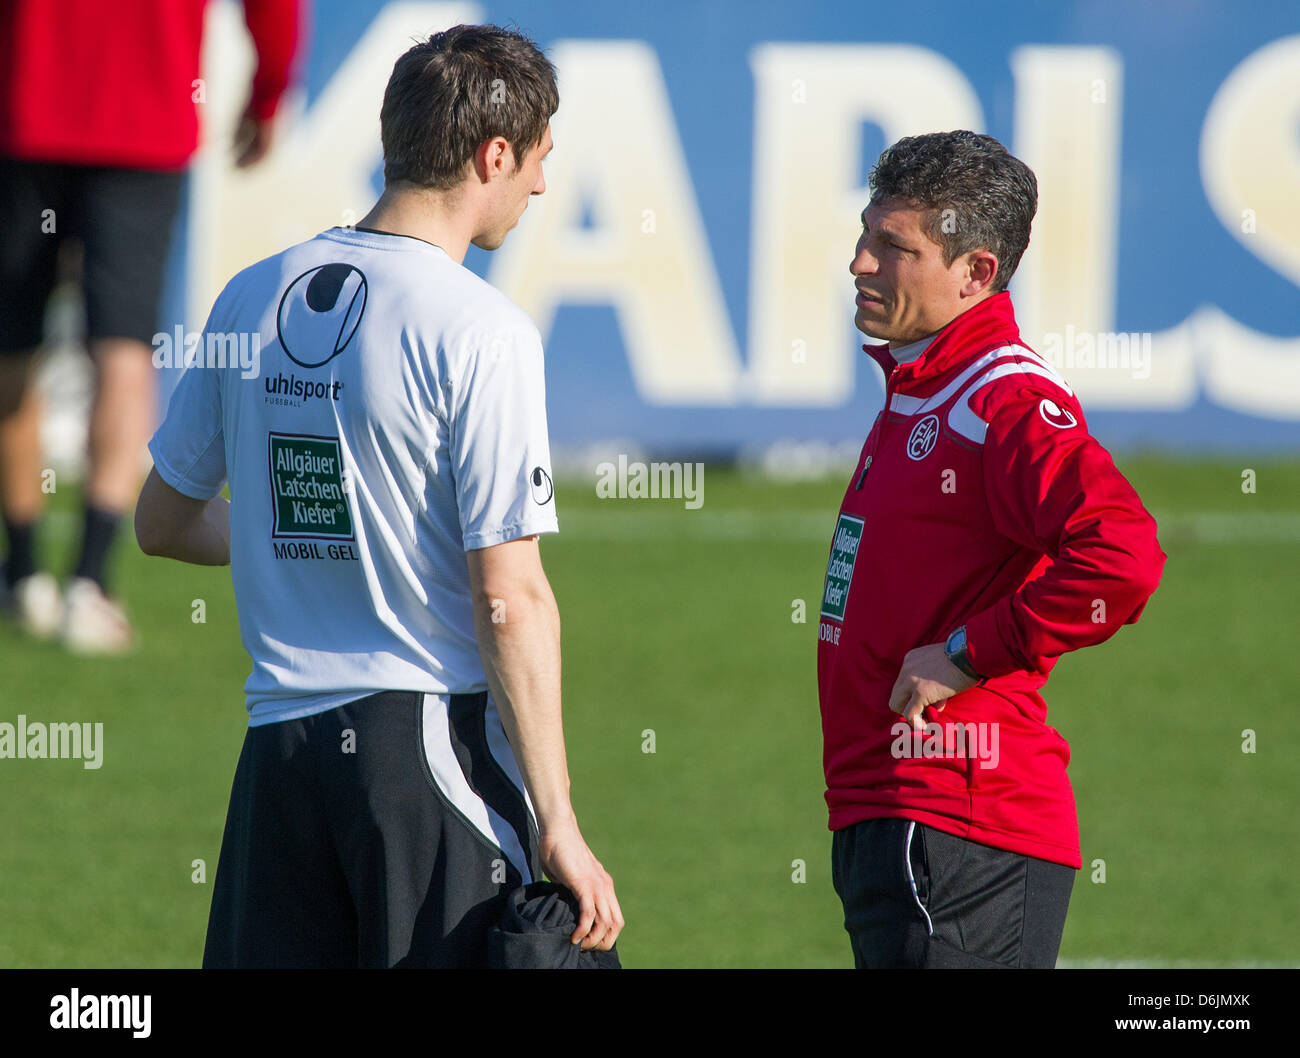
[{"x": 679, "y": 623}]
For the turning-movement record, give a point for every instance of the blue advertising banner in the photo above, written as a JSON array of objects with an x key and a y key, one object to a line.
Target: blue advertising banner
[{"x": 688, "y": 263}]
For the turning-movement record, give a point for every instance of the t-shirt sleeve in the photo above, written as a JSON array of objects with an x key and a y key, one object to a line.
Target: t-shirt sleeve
[
  {"x": 500, "y": 450},
  {"x": 189, "y": 448}
]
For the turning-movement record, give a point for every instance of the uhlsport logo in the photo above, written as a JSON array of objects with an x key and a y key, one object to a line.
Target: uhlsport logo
[
  {"x": 320, "y": 312},
  {"x": 1054, "y": 415},
  {"x": 921, "y": 441},
  {"x": 542, "y": 487}
]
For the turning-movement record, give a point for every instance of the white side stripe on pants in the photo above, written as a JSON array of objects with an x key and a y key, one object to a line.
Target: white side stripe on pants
[
  {"x": 502, "y": 752},
  {"x": 911, "y": 880},
  {"x": 452, "y": 782}
]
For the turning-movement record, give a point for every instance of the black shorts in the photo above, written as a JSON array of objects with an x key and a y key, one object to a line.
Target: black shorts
[
  {"x": 386, "y": 832},
  {"x": 124, "y": 220},
  {"x": 916, "y": 897}
]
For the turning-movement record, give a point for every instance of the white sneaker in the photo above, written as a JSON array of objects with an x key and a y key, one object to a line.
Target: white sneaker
[
  {"x": 94, "y": 623},
  {"x": 37, "y": 606}
]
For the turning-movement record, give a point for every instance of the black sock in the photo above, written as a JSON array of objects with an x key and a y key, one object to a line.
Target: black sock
[
  {"x": 97, "y": 538},
  {"x": 22, "y": 551}
]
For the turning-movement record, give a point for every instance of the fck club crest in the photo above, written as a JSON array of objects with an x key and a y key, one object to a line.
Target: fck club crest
[{"x": 921, "y": 441}]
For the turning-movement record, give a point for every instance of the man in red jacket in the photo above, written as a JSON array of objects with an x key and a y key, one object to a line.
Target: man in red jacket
[
  {"x": 983, "y": 534},
  {"x": 97, "y": 125}
]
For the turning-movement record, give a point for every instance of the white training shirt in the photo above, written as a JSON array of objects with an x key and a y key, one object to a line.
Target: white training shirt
[{"x": 396, "y": 420}]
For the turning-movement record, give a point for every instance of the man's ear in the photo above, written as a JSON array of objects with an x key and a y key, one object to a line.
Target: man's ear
[
  {"x": 981, "y": 270},
  {"x": 493, "y": 158}
]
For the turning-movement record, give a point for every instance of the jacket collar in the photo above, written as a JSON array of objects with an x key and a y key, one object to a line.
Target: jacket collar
[{"x": 990, "y": 323}]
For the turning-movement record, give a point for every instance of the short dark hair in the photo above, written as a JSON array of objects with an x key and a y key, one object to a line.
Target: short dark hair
[
  {"x": 450, "y": 93},
  {"x": 976, "y": 193}
]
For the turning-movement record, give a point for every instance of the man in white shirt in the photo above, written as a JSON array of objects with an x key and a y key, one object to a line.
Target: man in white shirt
[{"x": 389, "y": 475}]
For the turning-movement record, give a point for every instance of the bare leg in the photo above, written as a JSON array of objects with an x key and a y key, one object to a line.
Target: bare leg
[
  {"x": 121, "y": 422},
  {"x": 21, "y": 499},
  {"x": 29, "y": 595}
]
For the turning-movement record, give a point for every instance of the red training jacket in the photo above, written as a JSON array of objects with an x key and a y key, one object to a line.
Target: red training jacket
[
  {"x": 980, "y": 499},
  {"x": 95, "y": 83}
]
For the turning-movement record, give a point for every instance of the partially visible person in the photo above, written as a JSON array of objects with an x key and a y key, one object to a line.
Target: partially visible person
[{"x": 97, "y": 125}]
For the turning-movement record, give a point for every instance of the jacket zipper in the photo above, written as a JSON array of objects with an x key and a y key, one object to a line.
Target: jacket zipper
[{"x": 866, "y": 463}]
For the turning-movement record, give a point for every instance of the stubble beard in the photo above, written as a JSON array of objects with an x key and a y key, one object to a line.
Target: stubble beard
[{"x": 871, "y": 328}]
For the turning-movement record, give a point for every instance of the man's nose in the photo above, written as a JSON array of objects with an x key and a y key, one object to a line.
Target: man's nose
[{"x": 863, "y": 263}]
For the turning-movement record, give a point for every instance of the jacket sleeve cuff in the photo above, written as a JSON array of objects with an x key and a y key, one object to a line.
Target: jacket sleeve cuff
[{"x": 985, "y": 651}]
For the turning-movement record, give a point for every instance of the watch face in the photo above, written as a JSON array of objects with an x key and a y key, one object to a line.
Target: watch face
[{"x": 956, "y": 641}]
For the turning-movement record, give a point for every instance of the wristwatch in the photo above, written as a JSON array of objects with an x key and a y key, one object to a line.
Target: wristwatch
[{"x": 955, "y": 648}]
